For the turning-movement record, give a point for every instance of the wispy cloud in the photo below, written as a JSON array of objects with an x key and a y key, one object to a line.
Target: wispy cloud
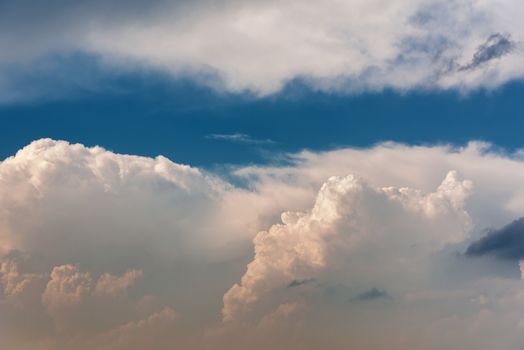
[
  {"x": 496, "y": 46},
  {"x": 240, "y": 138}
]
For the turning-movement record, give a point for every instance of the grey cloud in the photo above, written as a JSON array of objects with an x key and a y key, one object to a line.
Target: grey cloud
[
  {"x": 371, "y": 294},
  {"x": 496, "y": 46},
  {"x": 504, "y": 243},
  {"x": 296, "y": 283}
]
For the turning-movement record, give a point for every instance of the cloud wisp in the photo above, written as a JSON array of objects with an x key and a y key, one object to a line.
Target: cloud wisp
[
  {"x": 240, "y": 138},
  {"x": 496, "y": 46}
]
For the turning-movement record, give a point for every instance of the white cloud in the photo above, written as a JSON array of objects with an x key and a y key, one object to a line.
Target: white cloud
[
  {"x": 352, "y": 226},
  {"x": 50, "y": 178},
  {"x": 259, "y": 46},
  {"x": 98, "y": 249}
]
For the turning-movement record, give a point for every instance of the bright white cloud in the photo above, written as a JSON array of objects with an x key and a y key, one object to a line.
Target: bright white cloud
[{"x": 259, "y": 46}]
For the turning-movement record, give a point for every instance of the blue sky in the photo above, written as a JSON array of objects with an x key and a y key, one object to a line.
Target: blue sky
[{"x": 151, "y": 115}]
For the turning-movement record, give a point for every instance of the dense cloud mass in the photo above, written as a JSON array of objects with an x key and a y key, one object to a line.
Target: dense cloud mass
[
  {"x": 259, "y": 46},
  {"x": 342, "y": 229},
  {"x": 358, "y": 248}
]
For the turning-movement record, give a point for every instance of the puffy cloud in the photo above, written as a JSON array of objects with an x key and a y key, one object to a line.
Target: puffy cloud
[
  {"x": 261, "y": 45},
  {"x": 494, "y": 203},
  {"x": 140, "y": 202},
  {"x": 116, "y": 285},
  {"x": 68, "y": 287},
  {"x": 15, "y": 283},
  {"x": 350, "y": 226},
  {"x": 467, "y": 303},
  {"x": 77, "y": 303},
  {"x": 97, "y": 250},
  {"x": 86, "y": 313},
  {"x": 81, "y": 217}
]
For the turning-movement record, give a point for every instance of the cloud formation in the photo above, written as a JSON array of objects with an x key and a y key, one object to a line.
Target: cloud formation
[
  {"x": 260, "y": 46},
  {"x": 105, "y": 251},
  {"x": 343, "y": 223}
]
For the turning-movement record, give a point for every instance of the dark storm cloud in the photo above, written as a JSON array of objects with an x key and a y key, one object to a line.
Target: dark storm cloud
[
  {"x": 504, "y": 243},
  {"x": 371, "y": 294},
  {"x": 497, "y": 45}
]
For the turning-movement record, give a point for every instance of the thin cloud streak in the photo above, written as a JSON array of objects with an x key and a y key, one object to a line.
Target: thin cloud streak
[{"x": 240, "y": 138}]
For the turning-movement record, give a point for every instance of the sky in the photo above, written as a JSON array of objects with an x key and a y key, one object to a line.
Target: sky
[{"x": 302, "y": 175}]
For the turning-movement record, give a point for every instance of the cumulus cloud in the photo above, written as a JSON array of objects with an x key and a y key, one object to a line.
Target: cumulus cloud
[
  {"x": 100, "y": 250},
  {"x": 50, "y": 177},
  {"x": 259, "y": 46},
  {"x": 95, "y": 215},
  {"x": 15, "y": 283},
  {"x": 343, "y": 225},
  {"x": 71, "y": 295},
  {"x": 76, "y": 306}
]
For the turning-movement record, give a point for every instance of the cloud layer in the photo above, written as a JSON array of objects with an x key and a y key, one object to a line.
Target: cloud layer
[
  {"x": 259, "y": 46},
  {"x": 361, "y": 248}
]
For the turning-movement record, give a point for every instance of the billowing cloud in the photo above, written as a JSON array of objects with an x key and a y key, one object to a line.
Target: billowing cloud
[
  {"x": 105, "y": 251},
  {"x": 51, "y": 178},
  {"x": 75, "y": 302},
  {"x": 259, "y": 46},
  {"x": 347, "y": 221}
]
